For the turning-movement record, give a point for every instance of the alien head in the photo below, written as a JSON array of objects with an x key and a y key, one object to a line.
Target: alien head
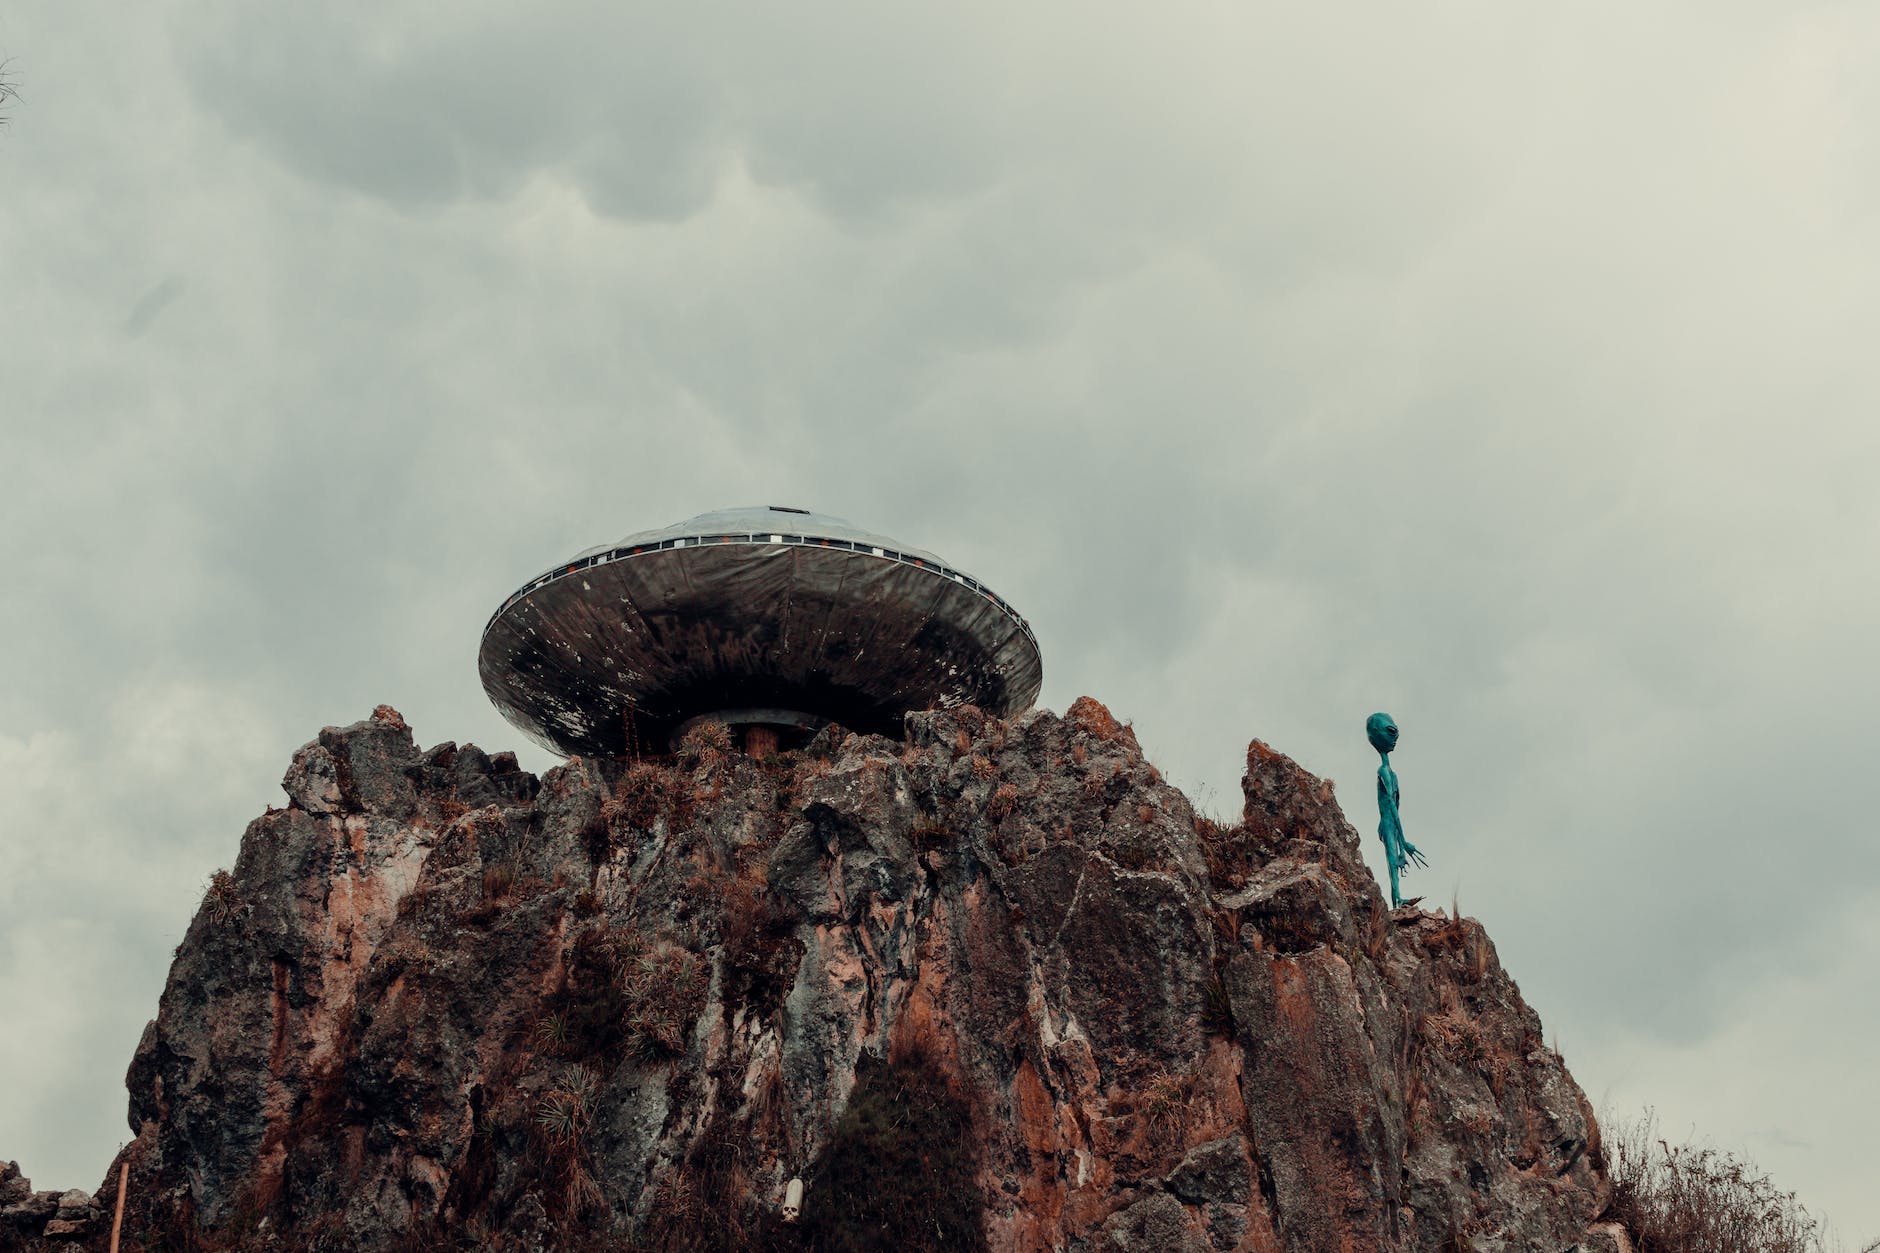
[{"x": 1381, "y": 730}]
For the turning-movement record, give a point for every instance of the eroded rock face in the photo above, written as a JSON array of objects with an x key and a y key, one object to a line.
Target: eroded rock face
[{"x": 993, "y": 986}]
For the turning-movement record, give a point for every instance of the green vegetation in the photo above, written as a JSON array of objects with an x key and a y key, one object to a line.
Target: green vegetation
[
  {"x": 900, "y": 1171},
  {"x": 623, "y": 998}
]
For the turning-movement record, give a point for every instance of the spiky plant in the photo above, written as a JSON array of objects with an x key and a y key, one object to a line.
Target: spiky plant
[
  {"x": 560, "y": 1119},
  {"x": 220, "y": 899},
  {"x": 551, "y": 1033},
  {"x": 581, "y": 1084},
  {"x": 707, "y": 742}
]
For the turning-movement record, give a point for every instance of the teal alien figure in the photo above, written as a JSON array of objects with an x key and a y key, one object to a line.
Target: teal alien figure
[{"x": 1381, "y": 730}]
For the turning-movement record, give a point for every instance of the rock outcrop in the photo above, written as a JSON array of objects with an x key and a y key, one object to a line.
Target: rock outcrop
[
  {"x": 991, "y": 986},
  {"x": 53, "y": 1215}
]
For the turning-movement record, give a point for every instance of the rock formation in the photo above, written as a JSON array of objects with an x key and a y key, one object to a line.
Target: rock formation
[{"x": 991, "y": 986}]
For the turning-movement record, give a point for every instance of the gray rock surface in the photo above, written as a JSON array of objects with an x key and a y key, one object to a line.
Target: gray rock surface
[
  {"x": 28, "y": 1218},
  {"x": 994, "y": 985}
]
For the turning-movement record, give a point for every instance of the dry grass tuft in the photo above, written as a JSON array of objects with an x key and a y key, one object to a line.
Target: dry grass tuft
[
  {"x": 758, "y": 945},
  {"x": 1477, "y": 956},
  {"x": 221, "y": 900},
  {"x": 705, "y": 743},
  {"x": 1455, "y": 1035},
  {"x": 1161, "y": 1099},
  {"x": 1217, "y": 1009},
  {"x": 623, "y": 996},
  {"x": 665, "y": 990},
  {"x": 498, "y": 881},
  {"x": 647, "y": 792},
  {"x": 1692, "y": 1199},
  {"x": 561, "y": 1122},
  {"x": 1450, "y": 937},
  {"x": 1231, "y": 852}
]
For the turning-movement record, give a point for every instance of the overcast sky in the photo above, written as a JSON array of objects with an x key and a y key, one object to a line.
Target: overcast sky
[{"x": 1507, "y": 367}]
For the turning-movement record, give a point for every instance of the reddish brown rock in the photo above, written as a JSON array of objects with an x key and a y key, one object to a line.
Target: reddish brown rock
[{"x": 993, "y": 986}]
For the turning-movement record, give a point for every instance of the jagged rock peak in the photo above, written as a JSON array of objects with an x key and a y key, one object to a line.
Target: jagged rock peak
[{"x": 994, "y": 985}]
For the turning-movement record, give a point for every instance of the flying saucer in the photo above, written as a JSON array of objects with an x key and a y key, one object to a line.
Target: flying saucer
[{"x": 772, "y": 619}]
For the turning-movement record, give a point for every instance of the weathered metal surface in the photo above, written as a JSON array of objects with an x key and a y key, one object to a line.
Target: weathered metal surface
[{"x": 749, "y": 608}]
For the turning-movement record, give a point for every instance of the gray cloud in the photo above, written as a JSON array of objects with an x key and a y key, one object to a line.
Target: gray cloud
[{"x": 1507, "y": 372}]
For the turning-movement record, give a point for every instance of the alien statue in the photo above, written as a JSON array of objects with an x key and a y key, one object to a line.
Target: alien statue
[{"x": 1381, "y": 729}]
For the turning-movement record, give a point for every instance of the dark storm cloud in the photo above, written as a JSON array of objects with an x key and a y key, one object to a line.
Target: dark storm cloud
[
  {"x": 432, "y": 113},
  {"x": 1504, "y": 371},
  {"x": 636, "y": 108}
]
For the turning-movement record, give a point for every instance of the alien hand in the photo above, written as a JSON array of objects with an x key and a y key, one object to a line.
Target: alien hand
[{"x": 1412, "y": 855}]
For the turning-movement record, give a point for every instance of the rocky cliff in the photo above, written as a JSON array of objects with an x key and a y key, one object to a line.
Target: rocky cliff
[{"x": 994, "y": 985}]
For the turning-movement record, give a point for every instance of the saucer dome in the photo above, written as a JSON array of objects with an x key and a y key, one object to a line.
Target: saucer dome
[{"x": 759, "y": 616}]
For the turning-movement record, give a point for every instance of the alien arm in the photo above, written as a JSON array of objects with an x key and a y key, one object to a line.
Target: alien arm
[{"x": 1401, "y": 850}]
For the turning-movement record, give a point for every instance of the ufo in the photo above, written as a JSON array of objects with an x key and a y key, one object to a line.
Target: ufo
[{"x": 773, "y": 621}]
